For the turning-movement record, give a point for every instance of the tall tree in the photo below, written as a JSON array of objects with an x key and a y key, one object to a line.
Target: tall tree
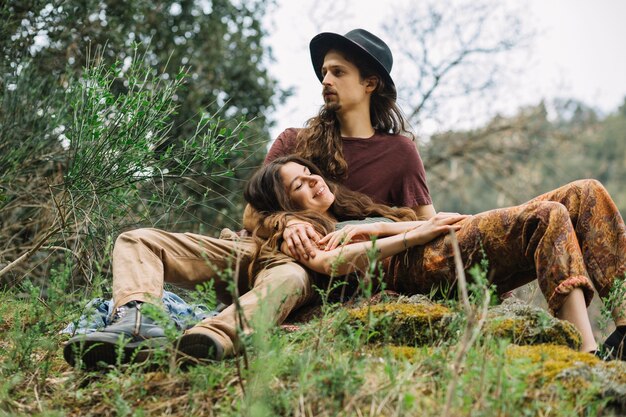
[
  {"x": 453, "y": 60},
  {"x": 451, "y": 55}
]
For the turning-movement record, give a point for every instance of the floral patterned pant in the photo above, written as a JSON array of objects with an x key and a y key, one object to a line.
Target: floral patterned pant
[{"x": 572, "y": 237}]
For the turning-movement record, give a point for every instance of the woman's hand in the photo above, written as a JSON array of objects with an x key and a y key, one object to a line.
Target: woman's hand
[
  {"x": 349, "y": 234},
  {"x": 437, "y": 225},
  {"x": 301, "y": 239}
]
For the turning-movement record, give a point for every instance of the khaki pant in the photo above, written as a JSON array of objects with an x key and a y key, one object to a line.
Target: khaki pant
[
  {"x": 144, "y": 259},
  {"x": 567, "y": 238}
]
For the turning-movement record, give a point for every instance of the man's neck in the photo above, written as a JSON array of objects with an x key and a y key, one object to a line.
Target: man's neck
[{"x": 356, "y": 125}]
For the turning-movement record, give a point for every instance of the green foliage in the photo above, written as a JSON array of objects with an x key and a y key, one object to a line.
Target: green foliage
[
  {"x": 372, "y": 278},
  {"x": 479, "y": 286},
  {"x": 117, "y": 141},
  {"x": 219, "y": 42},
  {"x": 116, "y": 163},
  {"x": 612, "y": 301},
  {"x": 151, "y": 138}
]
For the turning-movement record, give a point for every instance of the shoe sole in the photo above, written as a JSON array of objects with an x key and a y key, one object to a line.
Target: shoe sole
[
  {"x": 196, "y": 348},
  {"x": 92, "y": 354}
]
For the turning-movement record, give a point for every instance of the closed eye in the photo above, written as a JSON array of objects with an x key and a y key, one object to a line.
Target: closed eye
[{"x": 305, "y": 171}]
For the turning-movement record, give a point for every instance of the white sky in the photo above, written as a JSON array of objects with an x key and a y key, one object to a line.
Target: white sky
[{"x": 578, "y": 51}]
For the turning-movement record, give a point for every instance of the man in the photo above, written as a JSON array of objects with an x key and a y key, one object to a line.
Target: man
[{"x": 355, "y": 139}]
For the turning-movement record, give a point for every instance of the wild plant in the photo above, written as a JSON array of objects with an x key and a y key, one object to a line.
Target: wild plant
[
  {"x": 475, "y": 317},
  {"x": 612, "y": 302},
  {"x": 118, "y": 164}
]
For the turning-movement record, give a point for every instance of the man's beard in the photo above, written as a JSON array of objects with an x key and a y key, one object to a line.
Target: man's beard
[{"x": 332, "y": 106}]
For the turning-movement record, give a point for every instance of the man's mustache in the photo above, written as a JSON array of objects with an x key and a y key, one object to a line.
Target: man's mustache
[{"x": 328, "y": 90}]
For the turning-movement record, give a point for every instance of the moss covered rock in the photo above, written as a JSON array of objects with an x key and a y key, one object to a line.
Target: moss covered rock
[
  {"x": 417, "y": 321},
  {"x": 524, "y": 324},
  {"x": 543, "y": 351},
  {"x": 559, "y": 370},
  {"x": 412, "y": 321}
]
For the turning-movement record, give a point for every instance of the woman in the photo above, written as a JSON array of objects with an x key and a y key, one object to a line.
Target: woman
[{"x": 566, "y": 239}]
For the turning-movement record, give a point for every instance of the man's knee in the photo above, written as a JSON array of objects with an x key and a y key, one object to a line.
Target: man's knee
[
  {"x": 288, "y": 276},
  {"x": 144, "y": 235}
]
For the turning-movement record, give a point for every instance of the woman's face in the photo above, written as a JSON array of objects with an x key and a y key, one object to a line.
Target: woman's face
[{"x": 305, "y": 190}]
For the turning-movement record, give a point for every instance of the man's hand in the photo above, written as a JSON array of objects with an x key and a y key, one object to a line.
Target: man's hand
[
  {"x": 244, "y": 233},
  {"x": 301, "y": 239}
]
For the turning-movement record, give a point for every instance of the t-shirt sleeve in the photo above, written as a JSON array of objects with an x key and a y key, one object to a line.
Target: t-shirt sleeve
[
  {"x": 413, "y": 189},
  {"x": 285, "y": 144}
]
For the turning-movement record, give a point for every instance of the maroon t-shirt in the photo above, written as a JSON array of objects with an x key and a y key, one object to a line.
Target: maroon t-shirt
[{"x": 385, "y": 167}]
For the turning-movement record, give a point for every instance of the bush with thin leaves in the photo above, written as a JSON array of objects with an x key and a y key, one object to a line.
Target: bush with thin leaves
[{"x": 116, "y": 165}]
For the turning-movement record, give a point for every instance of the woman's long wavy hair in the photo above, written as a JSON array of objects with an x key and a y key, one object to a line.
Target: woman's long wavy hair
[
  {"x": 266, "y": 192},
  {"x": 320, "y": 140}
]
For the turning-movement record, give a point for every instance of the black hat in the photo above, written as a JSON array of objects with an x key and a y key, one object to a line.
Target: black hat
[{"x": 359, "y": 41}]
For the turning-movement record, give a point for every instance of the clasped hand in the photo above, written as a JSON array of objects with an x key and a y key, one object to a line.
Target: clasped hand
[
  {"x": 348, "y": 234},
  {"x": 302, "y": 240},
  {"x": 439, "y": 224}
]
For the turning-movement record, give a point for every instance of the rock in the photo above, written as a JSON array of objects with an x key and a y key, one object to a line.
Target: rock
[
  {"x": 582, "y": 374},
  {"x": 543, "y": 349},
  {"x": 524, "y": 324},
  {"x": 404, "y": 322},
  {"x": 417, "y": 321}
]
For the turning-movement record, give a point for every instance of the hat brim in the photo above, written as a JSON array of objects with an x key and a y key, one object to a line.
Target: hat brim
[{"x": 324, "y": 42}]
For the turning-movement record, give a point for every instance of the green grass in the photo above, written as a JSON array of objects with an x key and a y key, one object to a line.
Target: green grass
[
  {"x": 322, "y": 369},
  {"x": 332, "y": 365}
]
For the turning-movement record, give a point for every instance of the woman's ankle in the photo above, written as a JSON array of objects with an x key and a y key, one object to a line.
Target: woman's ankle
[{"x": 590, "y": 347}]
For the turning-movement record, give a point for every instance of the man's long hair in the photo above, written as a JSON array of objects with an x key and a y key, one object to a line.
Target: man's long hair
[
  {"x": 320, "y": 140},
  {"x": 266, "y": 192}
]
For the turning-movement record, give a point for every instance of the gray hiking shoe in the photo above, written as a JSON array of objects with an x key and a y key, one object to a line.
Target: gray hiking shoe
[{"x": 132, "y": 336}]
